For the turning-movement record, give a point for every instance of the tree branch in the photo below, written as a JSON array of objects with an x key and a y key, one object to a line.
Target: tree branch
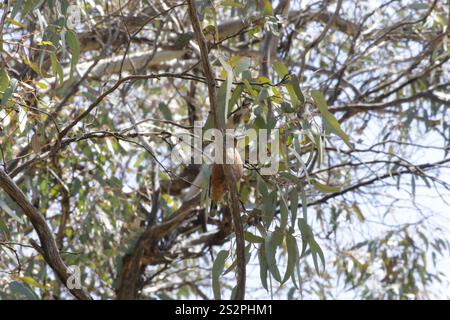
[
  {"x": 48, "y": 243},
  {"x": 227, "y": 169}
]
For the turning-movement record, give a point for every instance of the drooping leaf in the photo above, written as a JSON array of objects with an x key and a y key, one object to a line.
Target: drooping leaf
[
  {"x": 271, "y": 244},
  {"x": 304, "y": 204},
  {"x": 224, "y": 94},
  {"x": 263, "y": 267},
  {"x": 222, "y": 104},
  {"x": 293, "y": 197},
  {"x": 306, "y": 233},
  {"x": 236, "y": 95},
  {"x": 217, "y": 270},
  {"x": 292, "y": 251},
  {"x": 296, "y": 88},
  {"x": 56, "y": 67},
  {"x": 308, "y": 240},
  {"x": 249, "y": 88},
  {"x": 283, "y": 211},
  {"x": 330, "y": 122},
  {"x": 316, "y": 250},
  {"x": 292, "y": 86},
  {"x": 74, "y": 46},
  {"x": 358, "y": 212},
  {"x": 247, "y": 259}
]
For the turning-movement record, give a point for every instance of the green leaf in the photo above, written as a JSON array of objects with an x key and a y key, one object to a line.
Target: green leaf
[
  {"x": 4, "y": 80},
  {"x": 32, "y": 282},
  {"x": 223, "y": 99},
  {"x": 306, "y": 233},
  {"x": 222, "y": 104},
  {"x": 308, "y": 240},
  {"x": 15, "y": 23},
  {"x": 330, "y": 122},
  {"x": 293, "y": 197},
  {"x": 13, "y": 83},
  {"x": 217, "y": 269},
  {"x": 295, "y": 85},
  {"x": 247, "y": 258},
  {"x": 250, "y": 237},
  {"x": 236, "y": 95},
  {"x": 271, "y": 244},
  {"x": 263, "y": 267},
  {"x": 325, "y": 188},
  {"x": 41, "y": 85},
  {"x": 243, "y": 65},
  {"x": 304, "y": 204},
  {"x": 269, "y": 206},
  {"x": 74, "y": 46},
  {"x": 23, "y": 290},
  {"x": 233, "y": 3},
  {"x": 268, "y": 7},
  {"x": 28, "y": 7},
  {"x": 283, "y": 212},
  {"x": 292, "y": 250},
  {"x": 280, "y": 69},
  {"x": 316, "y": 250},
  {"x": 56, "y": 67},
  {"x": 249, "y": 88},
  {"x": 262, "y": 186},
  {"x": 358, "y": 212}
]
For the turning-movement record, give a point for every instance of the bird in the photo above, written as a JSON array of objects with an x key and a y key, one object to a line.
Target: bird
[
  {"x": 205, "y": 175},
  {"x": 211, "y": 178},
  {"x": 218, "y": 184}
]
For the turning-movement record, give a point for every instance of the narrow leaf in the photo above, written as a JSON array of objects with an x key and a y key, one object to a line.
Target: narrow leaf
[
  {"x": 56, "y": 67},
  {"x": 4, "y": 80},
  {"x": 271, "y": 244},
  {"x": 217, "y": 269},
  {"x": 331, "y": 123},
  {"x": 263, "y": 267},
  {"x": 292, "y": 250},
  {"x": 74, "y": 46},
  {"x": 325, "y": 188}
]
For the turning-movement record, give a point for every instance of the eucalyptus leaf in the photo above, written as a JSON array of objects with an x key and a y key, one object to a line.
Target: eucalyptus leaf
[
  {"x": 331, "y": 123},
  {"x": 217, "y": 270},
  {"x": 271, "y": 244}
]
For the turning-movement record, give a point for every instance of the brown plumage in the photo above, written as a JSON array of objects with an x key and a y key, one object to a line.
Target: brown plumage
[{"x": 218, "y": 184}]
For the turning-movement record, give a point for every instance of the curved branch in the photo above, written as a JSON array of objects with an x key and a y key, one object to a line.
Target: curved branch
[{"x": 48, "y": 246}]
